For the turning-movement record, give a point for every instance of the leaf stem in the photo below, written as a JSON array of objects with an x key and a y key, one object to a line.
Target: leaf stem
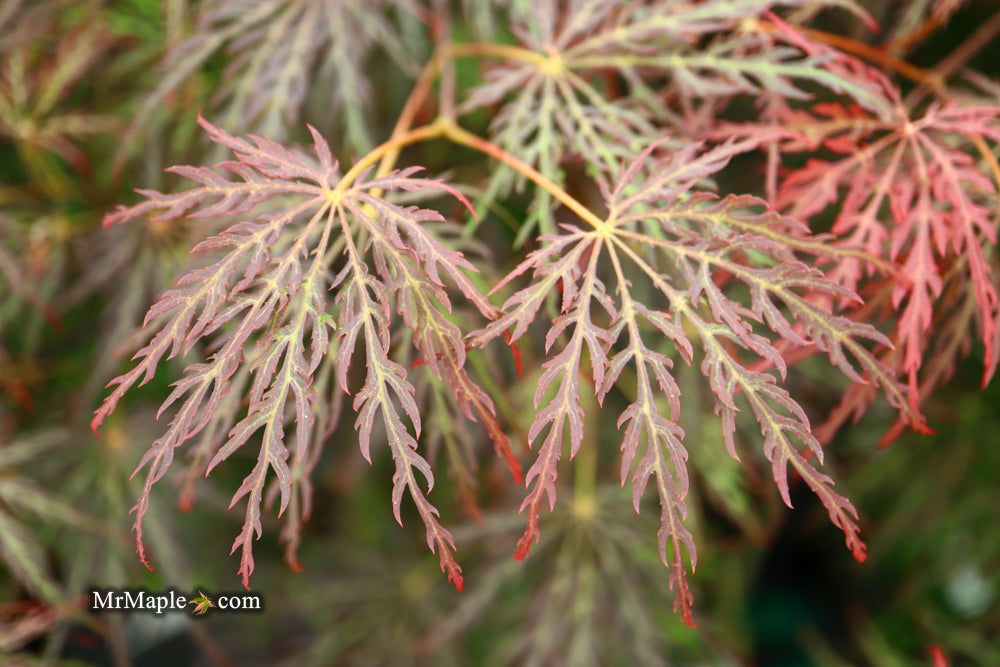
[
  {"x": 876, "y": 54},
  {"x": 966, "y": 50},
  {"x": 507, "y": 51},
  {"x": 394, "y": 144},
  {"x": 915, "y": 36},
  {"x": 447, "y": 128},
  {"x": 406, "y": 117},
  {"x": 461, "y": 136}
]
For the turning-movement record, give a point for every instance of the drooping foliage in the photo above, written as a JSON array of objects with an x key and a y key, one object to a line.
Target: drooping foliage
[
  {"x": 714, "y": 189},
  {"x": 682, "y": 241},
  {"x": 661, "y": 270},
  {"x": 270, "y": 284}
]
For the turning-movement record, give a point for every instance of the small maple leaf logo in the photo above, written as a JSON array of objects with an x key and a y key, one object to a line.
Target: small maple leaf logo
[{"x": 202, "y": 603}]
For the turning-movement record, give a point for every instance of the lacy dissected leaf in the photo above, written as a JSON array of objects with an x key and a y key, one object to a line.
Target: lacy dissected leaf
[
  {"x": 263, "y": 301},
  {"x": 558, "y": 85},
  {"x": 435, "y": 336},
  {"x": 697, "y": 253},
  {"x": 280, "y": 52},
  {"x": 909, "y": 190}
]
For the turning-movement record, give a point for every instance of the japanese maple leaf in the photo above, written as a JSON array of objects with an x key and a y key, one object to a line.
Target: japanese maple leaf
[
  {"x": 264, "y": 305},
  {"x": 908, "y": 189},
  {"x": 681, "y": 243}
]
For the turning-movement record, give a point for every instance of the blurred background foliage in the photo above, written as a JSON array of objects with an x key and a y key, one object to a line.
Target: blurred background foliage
[{"x": 96, "y": 98}]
